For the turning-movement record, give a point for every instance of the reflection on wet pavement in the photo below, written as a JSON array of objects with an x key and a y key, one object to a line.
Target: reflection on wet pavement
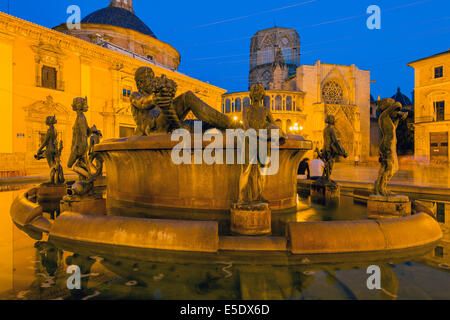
[
  {"x": 36, "y": 269},
  {"x": 408, "y": 175}
]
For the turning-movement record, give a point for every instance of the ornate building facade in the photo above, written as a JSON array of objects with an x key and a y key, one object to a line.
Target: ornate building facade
[
  {"x": 44, "y": 69},
  {"x": 432, "y": 112},
  {"x": 301, "y": 96}
]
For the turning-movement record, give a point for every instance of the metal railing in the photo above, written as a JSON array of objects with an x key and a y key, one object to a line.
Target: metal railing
[
  {"x": 113, "y": 47},
  {"x": 432, "y": 119}
]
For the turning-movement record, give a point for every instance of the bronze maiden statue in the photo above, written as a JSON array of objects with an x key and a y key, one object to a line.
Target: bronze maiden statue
[
  {"x": 332, "y": 148},
  {"x": 251, "y": 214},
  {"x": 79, "y": 160},
  {"x": 384, "y": 204},
  {"x": 51, "y": 150},
  {"x": 390, "y": 116}
]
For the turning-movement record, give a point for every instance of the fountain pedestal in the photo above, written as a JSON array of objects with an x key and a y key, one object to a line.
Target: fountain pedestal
[
  {"x": 48, "y": 191},
  {"x": 94, "y": 205},
  {"x": 388, "y": 207},
  {"x": 325, "y": 191},
  {"x": 49, "y": 195},
  {"x": 251, "y": 220}
]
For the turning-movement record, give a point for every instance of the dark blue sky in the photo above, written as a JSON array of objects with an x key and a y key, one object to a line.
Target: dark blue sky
[{"x": 213, "y": 37}]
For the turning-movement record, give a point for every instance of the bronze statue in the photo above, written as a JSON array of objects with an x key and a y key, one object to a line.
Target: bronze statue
[
  {"x": 255, "y": 117},
  {"x": 332, "y": 148},
  {"x": 390, "y": 116},
  {"x": 51, "y": 150},
  {"x": 95, "y": 158},
  {"x": 156, "y": 110},
  {"x": 79, "y": 161}
]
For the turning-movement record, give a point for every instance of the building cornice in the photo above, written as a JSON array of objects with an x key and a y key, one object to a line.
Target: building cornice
[
  {"x": 268, "y": 92},
  {"x": 410, "y": 64}
]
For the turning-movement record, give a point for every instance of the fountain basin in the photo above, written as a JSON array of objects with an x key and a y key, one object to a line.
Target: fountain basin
[
  {"x": 142, "y": 175},
  {"x": 324, "y": 237}
]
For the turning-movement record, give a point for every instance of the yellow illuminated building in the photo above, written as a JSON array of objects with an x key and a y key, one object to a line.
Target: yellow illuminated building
[
  {"x": 432, "y": 107},
  {"x": 44, "y": 69}
]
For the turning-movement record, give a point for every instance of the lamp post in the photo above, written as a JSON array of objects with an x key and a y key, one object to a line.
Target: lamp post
[{"x": 296, "y": 128}]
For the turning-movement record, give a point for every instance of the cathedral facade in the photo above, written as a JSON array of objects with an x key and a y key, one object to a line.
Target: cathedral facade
[
  {"x": 301, "y": 96},
  {"x": 44, "y": 69}
]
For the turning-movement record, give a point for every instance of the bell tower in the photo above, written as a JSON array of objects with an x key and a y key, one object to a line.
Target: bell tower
[{"x": 125, "y": 4}]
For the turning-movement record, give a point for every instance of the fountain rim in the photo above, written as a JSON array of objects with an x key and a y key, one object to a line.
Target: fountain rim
[
  {"x": 164, "y": 142},
  {"x": 390, "y": 235}
]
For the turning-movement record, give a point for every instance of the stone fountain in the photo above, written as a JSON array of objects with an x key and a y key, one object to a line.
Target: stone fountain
[{"x": 171, "y": 166}]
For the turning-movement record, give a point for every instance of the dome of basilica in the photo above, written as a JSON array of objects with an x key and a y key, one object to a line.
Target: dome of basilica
[
  {"x": 119, "y": 17},
  {"x": 403, "y": 99}
]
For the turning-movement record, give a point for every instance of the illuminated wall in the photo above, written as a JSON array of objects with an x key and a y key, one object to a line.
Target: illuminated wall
[
  {"x": 432, "y": 107},
  {"x": 43, "y": 70}
]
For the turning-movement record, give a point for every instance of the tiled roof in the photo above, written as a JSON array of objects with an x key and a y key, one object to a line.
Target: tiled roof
[
  {"x": 403, "y": 99},
  {"x": 118, "y": 17}
]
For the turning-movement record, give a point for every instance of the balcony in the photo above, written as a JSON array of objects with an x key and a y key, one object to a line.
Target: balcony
[{"x": 429, "y": 119}]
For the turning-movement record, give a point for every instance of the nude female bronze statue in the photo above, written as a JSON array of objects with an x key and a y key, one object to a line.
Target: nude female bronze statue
[
  {"x": 95, "y": 158},
  {"x": 332, "y": 148},
  {"x": 257, "y": 117},
  {"x": 156, "y": 110},
  {"x": 81, "y": 154},
  {"x": 51, "y": 150},
  {"x": 388, "y": 121},
  {"x": 78, "y": 160}
]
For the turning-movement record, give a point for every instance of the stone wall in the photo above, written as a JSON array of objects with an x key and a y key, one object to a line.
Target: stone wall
[{"x": 12, "y": 165}]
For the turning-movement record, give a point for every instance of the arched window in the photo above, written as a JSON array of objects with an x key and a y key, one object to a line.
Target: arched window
[
  {"x": 254, "y": 61},
  {"x": 278, "y": 103},
  {"x": 246, "y": 102},
  {"x": 332, "y": 93},
  {"x": 267, "y": 102},
  {"x": 266, "y": 76},
  {"x": 227, "y": 106},
  {"x": 238, "y": 105},
  {"x": 267, "y": 56},
  {"x": 296, "y": 57},
  {"x": 287, "y": 54},
  {"x": 279, "y": 123},
  {"x": 289, "y": 103}
]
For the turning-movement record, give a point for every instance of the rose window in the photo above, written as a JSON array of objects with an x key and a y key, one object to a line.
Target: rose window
[{"x": 332, "y": 93}]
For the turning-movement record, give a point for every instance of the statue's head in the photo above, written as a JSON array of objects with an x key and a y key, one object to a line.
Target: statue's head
[
  {"x": 330, "y": 120},
  {"x": 144, "y": 79},
  {"x": 80, "y": 105},
  {"x": 51, "y": 120},
  {"x": 96, "y": 131},
  {"x": 257, "y": 93},
  {"x": 386, "y": 103}
]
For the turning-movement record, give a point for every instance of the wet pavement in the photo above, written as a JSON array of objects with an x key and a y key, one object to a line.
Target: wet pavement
[
  {"x": 408, "y": 175},
  {"x": 34, "y": 268}
]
